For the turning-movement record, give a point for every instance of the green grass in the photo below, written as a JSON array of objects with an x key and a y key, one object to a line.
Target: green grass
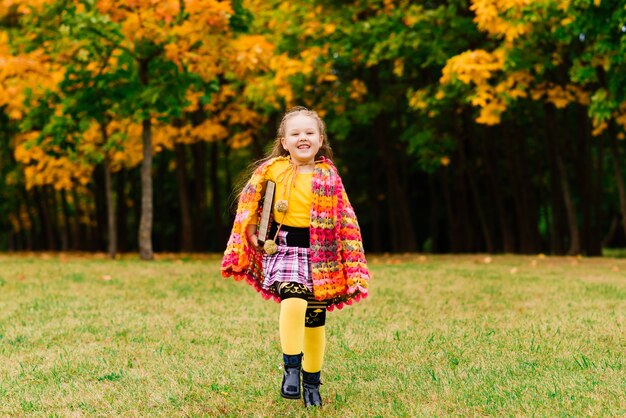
[{"x": 439, "y": 336}]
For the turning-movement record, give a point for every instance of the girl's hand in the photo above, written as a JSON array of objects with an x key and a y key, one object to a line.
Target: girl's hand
[
  {"x": 254, "y": 241},
  {"x": 253, "y": 238}
]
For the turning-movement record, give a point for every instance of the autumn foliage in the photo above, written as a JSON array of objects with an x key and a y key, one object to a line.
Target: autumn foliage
[{"x": 426, "y": 105}]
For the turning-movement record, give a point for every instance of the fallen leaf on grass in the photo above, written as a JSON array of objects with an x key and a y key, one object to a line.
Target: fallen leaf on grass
[{"x": 106, "y": 278}]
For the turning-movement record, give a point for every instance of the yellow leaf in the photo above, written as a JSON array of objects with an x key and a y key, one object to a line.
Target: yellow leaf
[
  {"x": 475, "y": 66},
  {"x": 357, "y": 89},
  {"x": 398, "y": 67},
  {"x": 241, "y": 139},
  {"x": 598, "y": 127},
  {"x": 329, "y": 29}
]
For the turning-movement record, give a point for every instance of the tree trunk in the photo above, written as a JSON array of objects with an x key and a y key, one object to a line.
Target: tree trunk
[
  {"x": 145, "y": 224},
  {"x": 584, "y": 178},
  {"x": 570, "y": 210},
  {"x": 454, "y": 224},
  {"x": 162, "y": 237},
  {"x": 89, "y": 230},
  {"x": 110, "y": 201},
  {"x": 401, "y": 231},
  {"x": 98, "y": 189},
  {"x": 18, "y": 245},
  {"x": 67, "y": 220},
  {"x": 111, "y": 222},
  {"x": 136, "y": 193},
  {"x": 378, "y": 237},
  {"x": 434, "y": 232},
  {"x": 557, "y": 206},
  {"x": 498, "y": 195},
  {"x": 606, "y": 241},
  {"x": 470, "y": 170},
  {"x": 484, "y": 224},
  {"x": 13, "y": 241},
  {"x": 62, "y": 221},
  {"x": 617, "y": 168},
  {"x": 587, "y": 178},
  {"x": 200, "y": 210},
  {"x": 121, "y": 212},
  {"x": 527, "y": 209},
  {"x": 80, "y": 232},
  {"x": 597, "y": 191},
  {"x": 467, "y": 241},
  {"x": 30, "y": 234},
  {"x": 229, "y": 176},
  {"x": 183, "y": 197},
  {"x": 72, "y": 222},
  {"x": 43, "y": 205},
  {"x": 218, "y": 224},
  {"x": 574, "y": 246}
]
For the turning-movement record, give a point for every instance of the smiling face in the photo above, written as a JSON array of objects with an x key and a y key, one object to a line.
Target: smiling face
[{"x": 302, "y": 138}]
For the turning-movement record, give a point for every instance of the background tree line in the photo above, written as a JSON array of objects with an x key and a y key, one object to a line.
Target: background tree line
[{"x": 458, "y": 126}]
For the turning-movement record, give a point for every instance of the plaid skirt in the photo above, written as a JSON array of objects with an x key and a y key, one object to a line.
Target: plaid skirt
[{"x": 288, "y": 264}]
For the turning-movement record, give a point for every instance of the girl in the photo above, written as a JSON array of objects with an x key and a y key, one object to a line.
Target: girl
[{"x": 318, "y": 263}]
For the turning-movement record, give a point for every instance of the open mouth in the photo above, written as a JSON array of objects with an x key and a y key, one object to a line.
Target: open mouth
[{"x": 304, "y": 146}]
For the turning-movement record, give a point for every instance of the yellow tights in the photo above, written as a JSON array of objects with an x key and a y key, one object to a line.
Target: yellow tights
[
  {"x": 295, "y": 338},
  {"x": 314, "y": 345}
]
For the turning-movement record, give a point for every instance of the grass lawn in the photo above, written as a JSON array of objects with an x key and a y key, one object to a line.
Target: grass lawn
[{"x": 439, "y": 336}]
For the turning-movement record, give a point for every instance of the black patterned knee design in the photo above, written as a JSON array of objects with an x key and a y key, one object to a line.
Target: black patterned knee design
[
  {"x": 315, "y": 313},
  {"x": 288, "y": 290}
]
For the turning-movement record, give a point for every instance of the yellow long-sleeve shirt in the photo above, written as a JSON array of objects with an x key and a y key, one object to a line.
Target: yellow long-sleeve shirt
[{"x": 299, "y": 197}]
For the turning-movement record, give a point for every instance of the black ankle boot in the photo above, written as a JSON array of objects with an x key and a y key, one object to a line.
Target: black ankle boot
[
  {"x": 291, "y": 376},
  {"x": 311, "y": 389}
]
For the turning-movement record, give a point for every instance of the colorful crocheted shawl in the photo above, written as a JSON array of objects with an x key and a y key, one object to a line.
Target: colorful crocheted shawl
[{"x": 340, "y": 274}]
